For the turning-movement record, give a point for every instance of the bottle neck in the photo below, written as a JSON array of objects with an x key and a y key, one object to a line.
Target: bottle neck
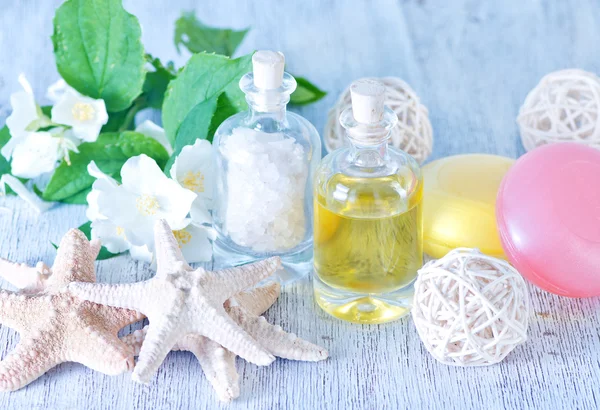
[
  {"x": 260, "y": 110},
  {"x": 267, "y": 107},
  {"x": 368, "y": 156},
  {"x": 368, "y": 142}
]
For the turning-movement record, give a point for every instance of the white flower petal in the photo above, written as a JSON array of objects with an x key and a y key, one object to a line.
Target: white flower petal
[
  {"x": 166, "y": 199},
  {"x": 175, "y": 202},
  {"x": 120, "y": 207},
  {"x": 37, "y": 154},
  {"x": 62, "y": 111},
  {"x": 141, "y": 253},
  {"x": 146, "y": 195},
  {"x": 94, "y": 171},
  {"x": 23, "y": 193},
  {"x": 57, "y": 90},
  {"x": 25, "y": 114},
  {"x": 93, "y": 210},
  {"x": 194, "y": 169},
  {"x": 150, "y": 129},
  {"x": 200, "y": 214},
  {"x": 141, "y": 174},
  {"x": 103, "y": 186},
  {"x": 111, "y": 236},
  {"x": 89, "y": 132},
  {"x": 194, "y": 243},
  {"x": 9, "y": 147},
  {"x": 25, "y": 84},
  {"x": 142, "y": 234},
  {"x": 86, "y": 115}
]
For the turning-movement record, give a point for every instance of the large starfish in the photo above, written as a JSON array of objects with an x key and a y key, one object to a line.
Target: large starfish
[
  {"x": 54, "y": 325},
  {"x": 181, "y": 302},
  {"x": 218, "y": 363}
]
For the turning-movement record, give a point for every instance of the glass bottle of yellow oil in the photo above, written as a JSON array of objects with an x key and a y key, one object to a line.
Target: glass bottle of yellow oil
[{"x": 368, "y": 236}]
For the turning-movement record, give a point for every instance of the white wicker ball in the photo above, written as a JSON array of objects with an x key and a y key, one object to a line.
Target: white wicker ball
[
  {"x": 470, "y": 309},
  {"x": 563, "y": 107},
  {"x": 413, "y": 134}
]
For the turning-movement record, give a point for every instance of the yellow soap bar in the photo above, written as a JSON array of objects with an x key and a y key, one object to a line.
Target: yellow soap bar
[{"x": 459, "y": 203}]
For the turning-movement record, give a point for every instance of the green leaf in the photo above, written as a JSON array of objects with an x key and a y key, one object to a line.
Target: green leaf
[
  {"x": 98, "y": 50},
  {"x": 197, "y": 123},
  {"x": 47, "y": 110},
  {"x": 192, "y": 98},
  {"x": 71, "y": 183},
  {"x": 116, "y": 121},
  {"x": 4, "y": 163},
  {"x": 86, "y": 228},
  {"x": 79, "y": 198},
  {"x": 157, "y": 81},
  {"x": 306, "y": 92},
  {"x": 155, "y": 86},
  {"x": 198, "y": 38},
  {"x": 202, "y": 124}
]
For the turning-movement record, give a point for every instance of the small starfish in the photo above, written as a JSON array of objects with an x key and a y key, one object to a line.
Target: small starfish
[
  {"x": 182, "y": 302},
  {"x": 54, "y": 325},
  {"x": 218, "y": 363}
]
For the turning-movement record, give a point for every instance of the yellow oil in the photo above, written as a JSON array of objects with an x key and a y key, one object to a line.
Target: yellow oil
[{"x": 368, "y": 241}]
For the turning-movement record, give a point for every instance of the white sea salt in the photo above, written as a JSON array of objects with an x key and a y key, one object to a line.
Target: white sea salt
[{"x": 266, "y": 182}]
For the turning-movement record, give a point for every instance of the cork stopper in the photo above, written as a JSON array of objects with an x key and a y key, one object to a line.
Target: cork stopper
[
  {"x": 368, "y": 97},
  {"x": 267, "y": 67}
]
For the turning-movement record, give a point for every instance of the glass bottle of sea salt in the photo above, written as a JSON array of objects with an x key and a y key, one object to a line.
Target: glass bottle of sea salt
[{"x": 266, "y": 158}]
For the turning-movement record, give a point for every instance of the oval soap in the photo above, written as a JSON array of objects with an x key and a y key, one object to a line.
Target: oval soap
[
  {"x": 459, "y": 201},
  {"x": 549, "y": 218}
]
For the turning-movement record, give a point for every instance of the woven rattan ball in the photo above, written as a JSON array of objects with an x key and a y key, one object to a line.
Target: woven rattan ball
[
  {"x": 413, "y": 134},
  {"x": 470, "y": 309},
  {"x": 563, "y": 107}
]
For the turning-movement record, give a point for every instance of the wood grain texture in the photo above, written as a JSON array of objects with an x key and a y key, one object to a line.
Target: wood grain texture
[{"x": 472, "y": 64}]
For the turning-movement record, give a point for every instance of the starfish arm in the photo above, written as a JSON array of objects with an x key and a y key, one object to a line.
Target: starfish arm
[
  {"x": 158, "y": 342},
  {"x": 23, "y": 276},
  {"x": 278, "y": 342},
  {"x": 169, "y": 258},
  {"x": 217, "y": 363},
  {"x": 125, "y": 295},
  {"x": 99, "y": 326},
  {"x": 95, "y": 246},
  {"x": 258, "y": 300},
  {"x": 27, "y": 362},
  {"x": 115, "y": 318},
  {"x": 135, "y": 340},
  {"x": 109, "y": 355},
  {"x": 74, "y": 260},
  {"x": 219, "y": 327},
  {"x": 12, "y": 308},
  {"x": 234, "y": 280}
]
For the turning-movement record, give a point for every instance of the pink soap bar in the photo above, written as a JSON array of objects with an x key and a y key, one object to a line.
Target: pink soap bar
[{"x": 548, "y": 213}]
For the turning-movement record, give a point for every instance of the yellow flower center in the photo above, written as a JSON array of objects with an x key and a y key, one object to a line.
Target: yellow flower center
[
  {"x": 183, "y": 237},
  {"x": 147, "y": 205},
  {"x": 83, "y": 111},
  {"x": 194, "y": 181},
  {"x": 120, "y": 231}
]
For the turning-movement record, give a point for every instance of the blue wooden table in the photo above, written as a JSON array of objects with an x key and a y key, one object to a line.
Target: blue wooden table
[{"x": 472, "y": 63}]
